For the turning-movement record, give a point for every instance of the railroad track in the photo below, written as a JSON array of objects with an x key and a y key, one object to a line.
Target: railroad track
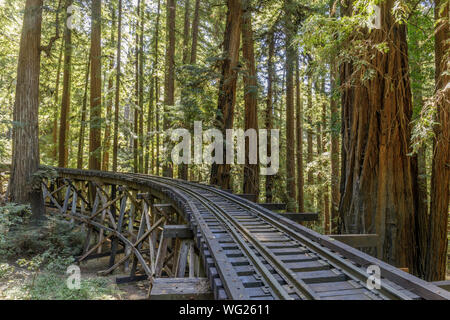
[
  {"x": 247, "y": 251},
  {"x": 273, "y": 261}
]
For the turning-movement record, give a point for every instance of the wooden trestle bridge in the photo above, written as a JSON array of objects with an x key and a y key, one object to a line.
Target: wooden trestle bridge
[{"x": 191, "y": 240}]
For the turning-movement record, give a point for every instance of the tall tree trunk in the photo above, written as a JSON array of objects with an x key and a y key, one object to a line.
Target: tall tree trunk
[
  {"x": 319, "y": 196},
  {"x": 136, "y": 100},
  {"x": 309, "y": 154},
  {"x": 195, "y": 25},
  {"x": 80, "y": 154},
  {"x": 150, "y": 127},
  {"x": 334, "y": 125},
  {"x": 183, "y": 168},
  {"x": 422, "y": 221},
  {"x": 378, "y": 178},
  {"x": 325, "y": 190},
  {"x": 251, "y": 171},
  {"x": 169, "y": 83},
  {"x": 157, "y": 119},
  {"x": 299, "y": 139},
  {"x": 290, "y": 136},
  {"x": 220, "y": 173},
  {"x": 56, "y": 114},
  {"x": 23, "y": 187},
  {"x": 117, "y": 93},
  {"x": 63, "y": 149},
  {"x": 109, "y": 106},
  {"x": 96, "y": 88},
  {"x": 141, "y": 87},
  {"x": 269, "y": 108},
  {"x": 186, "y": 30},
  {"x": 440, "y": 179},
  {"x": 193, "y": 59}
]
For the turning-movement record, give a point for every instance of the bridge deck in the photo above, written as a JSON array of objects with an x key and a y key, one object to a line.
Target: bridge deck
[{"x": 245, "y": 250}]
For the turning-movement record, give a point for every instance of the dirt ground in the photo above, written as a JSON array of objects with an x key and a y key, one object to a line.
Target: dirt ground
[{"x": 12, "y": 285}]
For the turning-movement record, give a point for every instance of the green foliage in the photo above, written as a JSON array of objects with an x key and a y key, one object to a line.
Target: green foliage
[
  {"x": 51, "y": 287},
  {"x": 52, "y": 245},
  {"x": 5, "y": 270}
]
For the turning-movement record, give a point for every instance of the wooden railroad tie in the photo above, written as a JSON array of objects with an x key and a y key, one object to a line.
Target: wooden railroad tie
[
  {"x": 181, "y": 289},
  {"x": 178, "y": 231},
  {"x": 357, "y": 240},
  {"x": 250, "y": 197},
  {"x": 301, "y": 217},
  {"x": 274, "y": 206}
]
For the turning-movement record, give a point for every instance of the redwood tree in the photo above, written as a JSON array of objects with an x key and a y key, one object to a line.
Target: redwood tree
[
  {"x": 290, "y": 138},
  {"x": 299, "y": 140},
  {"x": 23, "y": 188},
  {"x": 269, "y": 107},
  {"x": 251, "y": 171},
  {"x": 117, "y": 93},
  {"x": 436, "y": 246},
  {"x": 220, "y": 173},
  {"x": 169, "y": 83},
  {"x": 96, "y": 88},
  {"x": 378, "y": 177},
  {"x": 65, "y": 104}
]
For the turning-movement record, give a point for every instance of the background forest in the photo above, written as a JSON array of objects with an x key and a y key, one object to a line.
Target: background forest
[{"x": 343, "y": 96}]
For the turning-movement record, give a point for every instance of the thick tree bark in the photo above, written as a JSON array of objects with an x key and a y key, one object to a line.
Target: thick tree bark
[
  {"x": 23, "y": 187},
  {"x": 220, "y": 173},
  {"x": 117, "y": 93},
  {"x": 436, "y": 253},
  {"x": 64, "y": 125},
  {"x": 251, "y": 171},
  {"x": 299, "y": 139},
  {"x": 80, "y": 154},
  {"x": 378, "y": 177},
  {"x": 96, "y": 88},
  {"x": 169, "y": 83},
  {"x": 269, "y": 108}
]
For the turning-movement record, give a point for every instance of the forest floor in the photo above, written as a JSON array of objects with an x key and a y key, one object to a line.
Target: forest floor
[
  {"x": 34, "y": 261},
  {"x": 19, "y": 283}
]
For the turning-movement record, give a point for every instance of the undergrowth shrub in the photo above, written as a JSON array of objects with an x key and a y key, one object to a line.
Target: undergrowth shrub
[
  {"x": 54, "y": 244},
  {"x": 50, "y": 287}
]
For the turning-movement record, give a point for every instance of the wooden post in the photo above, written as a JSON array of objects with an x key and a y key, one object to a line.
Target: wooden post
[{"x": 115, "y": 241}]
